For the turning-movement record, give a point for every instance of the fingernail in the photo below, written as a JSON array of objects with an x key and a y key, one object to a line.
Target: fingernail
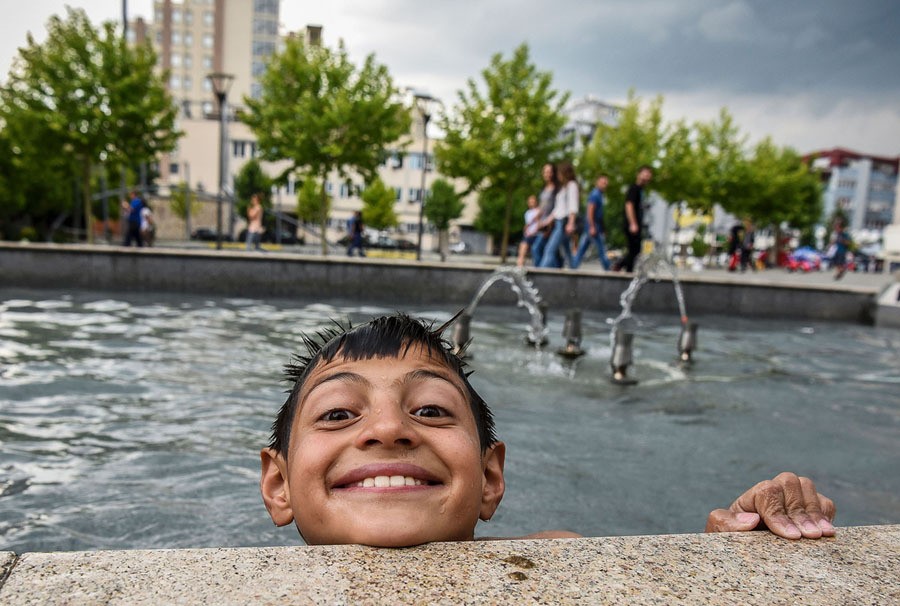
[
  {"x": 811, "y": 527},
  {"x": 792, "y": 531},
  {"x": 826, "y": 526},
  {"x": 747, "y": 518}
]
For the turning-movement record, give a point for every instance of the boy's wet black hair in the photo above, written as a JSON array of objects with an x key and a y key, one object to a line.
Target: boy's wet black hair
[{"x": 383, "y": 337}]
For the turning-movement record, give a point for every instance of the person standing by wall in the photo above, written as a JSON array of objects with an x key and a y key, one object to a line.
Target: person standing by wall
[
  {"x": 841, "y": 247},
  {"x": 634, "y": 216},
  {"x": 148, "y": 225},
  {"x": 355, "y": 231},
  {"x": 546, "y": 199},
  {"x": 132, "y": 210},
  {"x": 530, "y": 231},
  {"x": 748, "y": 245},
  {"x": 254, "y": 223},
  {"x": 594, "y": 230},
  {"x": 565, "y": 213}
]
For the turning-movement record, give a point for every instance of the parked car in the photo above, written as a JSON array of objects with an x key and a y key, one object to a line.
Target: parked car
[
  {"x": 269, "y": 236},
  {"x": 460, "y": 248},
  {"x": 207, "y": 234}
]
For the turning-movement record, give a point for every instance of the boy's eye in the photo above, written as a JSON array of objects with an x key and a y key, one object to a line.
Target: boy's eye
[
  {"x": 430, "y": 411},
  {"x": 337, "y": 415}
]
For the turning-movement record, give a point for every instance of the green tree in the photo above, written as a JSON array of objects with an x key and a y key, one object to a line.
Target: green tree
[
  {"x": 85, "y": 93},
  {"x": 721, "y": 163},
  {"x": 443, "y": 205},
  {"x": 184, "y": 204},
  {"x": 378, "y": 205},
  {"x": 785, "y": 191},
  {"x": 251, "y": 179},
  {"x": 321, "y": 114},
  {"x": 497, "y": 140},
  {"x": 313, "y": 203},
  {"x": 619, "y": 151}
]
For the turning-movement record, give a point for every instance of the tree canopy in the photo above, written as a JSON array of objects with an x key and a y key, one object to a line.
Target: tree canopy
[
  {"x": 82, "y": 98},
  {"x": 497, "y": 137},
  {"x": 378, "y": 205},
  {"x": 321, "y": 113}
]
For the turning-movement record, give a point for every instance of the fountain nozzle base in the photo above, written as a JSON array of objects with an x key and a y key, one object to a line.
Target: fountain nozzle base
[
  {"x": 570, "y": 351},
  {"x": 620, "y": 378}
]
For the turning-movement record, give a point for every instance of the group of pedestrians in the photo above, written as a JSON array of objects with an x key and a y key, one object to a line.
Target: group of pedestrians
[
  {"x": 554, "y": 220},
  {"x": 140, "y": 225}
]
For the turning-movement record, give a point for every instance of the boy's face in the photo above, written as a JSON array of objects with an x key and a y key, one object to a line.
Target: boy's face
[{"x": 383, "y": 452}]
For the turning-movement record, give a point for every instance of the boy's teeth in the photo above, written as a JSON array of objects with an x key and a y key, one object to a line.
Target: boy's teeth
[{"x": 389, "y": 481}]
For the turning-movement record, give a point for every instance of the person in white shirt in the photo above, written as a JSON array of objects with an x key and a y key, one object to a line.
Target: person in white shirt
[{"x": 565, "y": 212}]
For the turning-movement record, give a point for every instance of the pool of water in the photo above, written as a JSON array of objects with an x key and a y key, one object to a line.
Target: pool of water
[{"x": 133, "y": 421}]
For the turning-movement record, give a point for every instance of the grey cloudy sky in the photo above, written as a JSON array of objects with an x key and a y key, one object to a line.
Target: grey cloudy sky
[{"x": 811, "y": 74}]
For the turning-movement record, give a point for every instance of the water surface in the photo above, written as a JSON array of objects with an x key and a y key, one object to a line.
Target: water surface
[{"x": 132, "y": 421}]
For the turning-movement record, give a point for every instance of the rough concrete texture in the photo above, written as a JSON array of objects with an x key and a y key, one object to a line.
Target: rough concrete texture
[
  {"x": 7, "y": 559},
  {"x": 400, "y": 283},
  {"x": 859, "y": 566}
]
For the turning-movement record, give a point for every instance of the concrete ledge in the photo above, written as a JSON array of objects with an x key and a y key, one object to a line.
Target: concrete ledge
[
  {"x": 858, "y": 566},
  {"x": 887, "y": 312},
  {"x": 400, "y": 283}
]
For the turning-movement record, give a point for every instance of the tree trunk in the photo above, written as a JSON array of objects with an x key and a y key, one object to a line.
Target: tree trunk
[
  {"x": 86, "y": 196},
  {"x": 442, "y": 244},
  {"x": 323, "y": 219},
  {"x": 507, "y": 215},
  {"x": 775, "y": 254}
]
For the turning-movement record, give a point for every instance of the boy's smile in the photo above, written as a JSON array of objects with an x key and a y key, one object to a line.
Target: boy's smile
[{"x": 383, "y": 452}]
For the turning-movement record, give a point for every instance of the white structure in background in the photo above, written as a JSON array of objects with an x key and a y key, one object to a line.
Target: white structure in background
[
  {"x": 863, "y": 186},
  {"x": 583, "y": 117}
]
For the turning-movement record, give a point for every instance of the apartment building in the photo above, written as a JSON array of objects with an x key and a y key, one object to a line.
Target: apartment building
[{"x": 864, "y": 186}]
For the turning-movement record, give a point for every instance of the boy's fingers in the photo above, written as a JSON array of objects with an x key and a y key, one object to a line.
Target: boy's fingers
[
  {"x": 724, "y": 520},
  {"x": 790, "y": 507}
]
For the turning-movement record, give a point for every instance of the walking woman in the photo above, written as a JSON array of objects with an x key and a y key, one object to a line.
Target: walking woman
[
  {"x": 546, "y": 200},
  {"x": 565, "y": 212}
]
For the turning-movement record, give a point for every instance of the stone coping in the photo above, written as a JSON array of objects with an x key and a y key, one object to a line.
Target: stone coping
[
  {"x": 402, "y": 284},
  {"x": 860, "y": 565}
]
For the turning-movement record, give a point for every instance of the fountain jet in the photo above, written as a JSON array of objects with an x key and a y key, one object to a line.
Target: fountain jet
[
  {"x": 460, "y": 335},
  {"x": 687, "y": 341},
  {"x": 572, "y": 334},
  {"x": 620, "y": 358}
]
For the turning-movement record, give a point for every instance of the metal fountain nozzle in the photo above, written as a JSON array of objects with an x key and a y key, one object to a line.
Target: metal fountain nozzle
[
  {"x": 687, "y": 341},
  {"x": 460, "y": 335},
  {"x": 620, "y": 358},
  {"x": 572, "y": 334}
]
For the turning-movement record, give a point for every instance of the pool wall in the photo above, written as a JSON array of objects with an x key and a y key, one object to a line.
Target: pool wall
[
  {"x": 401, "y": 283},
  {"x": 858, "y": 566}
]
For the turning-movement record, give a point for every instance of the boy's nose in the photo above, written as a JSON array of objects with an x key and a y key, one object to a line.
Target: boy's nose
[{"x": 388, "y": 426}]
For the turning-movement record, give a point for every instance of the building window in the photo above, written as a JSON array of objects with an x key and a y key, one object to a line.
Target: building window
[
  {"x": 207, "y": 105},
  {"x": 188, "y": 39},
  {"x": 173, "y": 168},
  {"x": 415, "y": 194},
  {"x": 188, "y": 17},
  {"x": 176, "y": 38},
  {"x": 266, "y": 6},
  {"x": 253, "y": 149},
  {"x": 207, "y": 62},
  {"x": 255, "y": 90},
  {"x": 208, "y": 18},
  {"x": 176, "y": 60},
  {"x": 345, "y": 190},
  {"x": 207, "y": 40},
  {"x": 188, "y": 83},
  {"x": 175, "y": 82},
  {"x": 259, "y": 68},
  {"x": 176, "y": 16},
  {"x": 159, "y": 37},
  {"x": 329, "y": 187},
  {"x": 238, "y": 149},
  {"x": 399, "y": 193},
  {"x": 188, "y": 62},
  {"x": 414, "y": 161},
  {"x": 265, "y": 26},
  {"x": 262, "y": 48},
  {"x": 207, "y": 86}
]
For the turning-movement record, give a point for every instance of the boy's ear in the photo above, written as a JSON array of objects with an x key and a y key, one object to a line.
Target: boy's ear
[
  {"x": 493, "y": 485},
  {"x": 273, "y": 485}
]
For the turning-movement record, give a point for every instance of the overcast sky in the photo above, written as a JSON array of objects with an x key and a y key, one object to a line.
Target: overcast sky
[{"x": 811, "y": 74}]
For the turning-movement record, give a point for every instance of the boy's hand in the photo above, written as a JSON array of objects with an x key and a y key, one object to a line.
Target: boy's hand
[{"x": 787, "y": 505}]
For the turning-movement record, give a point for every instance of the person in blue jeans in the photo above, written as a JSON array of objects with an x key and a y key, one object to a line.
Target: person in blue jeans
[
  {"x": 546, "y": 199},
  {"x": 565, "y": 211},
  {"x": 594, "y": 230}
]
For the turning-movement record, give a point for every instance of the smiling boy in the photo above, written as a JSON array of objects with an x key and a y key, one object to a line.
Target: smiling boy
[{"x": 383, "y": 441}]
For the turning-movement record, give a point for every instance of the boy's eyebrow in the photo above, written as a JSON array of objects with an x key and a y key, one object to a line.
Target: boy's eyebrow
[{"x": 420, "y": 374}]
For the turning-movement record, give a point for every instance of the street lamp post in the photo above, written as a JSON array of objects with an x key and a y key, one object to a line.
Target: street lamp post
[
  {"x": 426, "y": 105},
  {"x": 221, "y": 83}
]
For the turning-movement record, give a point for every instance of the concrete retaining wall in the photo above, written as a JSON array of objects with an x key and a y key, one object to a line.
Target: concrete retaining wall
[
  {"x": 858, "y": 566},
  {"x": 397, "y": 283}
]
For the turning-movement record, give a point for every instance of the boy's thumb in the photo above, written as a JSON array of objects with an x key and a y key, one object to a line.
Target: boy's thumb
[{"x": 725, "y": 520}]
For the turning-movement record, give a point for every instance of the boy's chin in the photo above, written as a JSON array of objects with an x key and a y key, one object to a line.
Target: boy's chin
[{"x": 393, "y": 535}]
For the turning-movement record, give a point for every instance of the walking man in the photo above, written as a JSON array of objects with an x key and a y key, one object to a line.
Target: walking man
[
  {"x": 594, "y": 230},
  {"x": 355, "y": 231},
  {"x": 133, "y": 211},
  {"x": 634, "y": 216}
]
